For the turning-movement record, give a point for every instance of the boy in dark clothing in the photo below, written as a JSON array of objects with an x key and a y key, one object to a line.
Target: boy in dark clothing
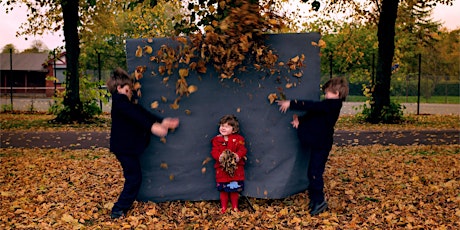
[
  {"x": 130, "y": 135},
  {"x": 315, "y": 130}
]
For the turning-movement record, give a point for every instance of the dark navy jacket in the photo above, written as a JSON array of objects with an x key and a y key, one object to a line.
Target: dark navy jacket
[
  {"x": 316, "y": 126},
  {"x": 131, "y": 126}
]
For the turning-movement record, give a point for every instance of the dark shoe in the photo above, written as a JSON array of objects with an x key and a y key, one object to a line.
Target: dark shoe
[
  {"x": 318, "y": 208},
  {"x": 117, "y": 214}
]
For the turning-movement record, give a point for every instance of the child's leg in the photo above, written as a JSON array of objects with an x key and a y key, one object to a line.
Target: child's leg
[
  {"x": 133, "y": 179},
  {"x": 223, "y": 201},
  {"x": 234, "y": 196},
  {"x": 318, "y": 159}
]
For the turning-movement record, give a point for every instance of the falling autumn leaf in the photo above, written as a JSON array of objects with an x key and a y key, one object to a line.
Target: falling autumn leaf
[
  {"x": 139, "y": 51},
  {"x": 208, "y": 159},
  {"x": 137, "y": 85},
  {"x": 298, "y": 74},
  {"x": 183, "y": 72},
  {"x": 148, "y": 49},
  {"x": 272, "y": 97},
  {"x": 154, "y": 105},
  {"x": 192, "y": 88}
]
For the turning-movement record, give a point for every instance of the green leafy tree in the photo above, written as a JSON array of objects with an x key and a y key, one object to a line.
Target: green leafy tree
[
  {"x": 50, "y": 15},
  {"x": 8, "y": 47},
  {"x": 105, "y": 32},
  {"x": 68, "y": 15},
  {"x": 350, "y": 49},
  {"x": 384, "y": 14},
  {"x": 37, "y": 47}
]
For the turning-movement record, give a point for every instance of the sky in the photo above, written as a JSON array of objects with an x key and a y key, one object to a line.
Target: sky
[{"x": 10, "y": 23}]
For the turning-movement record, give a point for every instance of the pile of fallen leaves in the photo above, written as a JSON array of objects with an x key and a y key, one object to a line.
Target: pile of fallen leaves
[{"x": 367, "y": 187}]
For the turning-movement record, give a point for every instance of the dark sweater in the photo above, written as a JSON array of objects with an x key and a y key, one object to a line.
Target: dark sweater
[
  {"x": 131, "y": 126},
  {"x": 316, "y": 126}
]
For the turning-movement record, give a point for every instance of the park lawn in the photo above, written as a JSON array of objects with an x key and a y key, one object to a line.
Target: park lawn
[
  {"x": 40, "y": 121},
  {"x": 412, "y": 99},
  {"x": 367, "y": 187}
]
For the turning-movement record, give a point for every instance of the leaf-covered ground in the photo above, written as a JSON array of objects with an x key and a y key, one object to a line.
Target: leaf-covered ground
[{"x": 368, "y": 187}]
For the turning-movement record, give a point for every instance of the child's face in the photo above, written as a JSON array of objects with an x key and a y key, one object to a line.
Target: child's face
[
  {"x": 225, "y": 129},
  {"x": 126, "y": 90},
  {"x": 331, "y": 95}
]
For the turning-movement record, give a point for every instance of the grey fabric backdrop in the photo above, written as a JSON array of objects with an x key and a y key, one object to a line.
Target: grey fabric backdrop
[{"x": 275, "y": 167}]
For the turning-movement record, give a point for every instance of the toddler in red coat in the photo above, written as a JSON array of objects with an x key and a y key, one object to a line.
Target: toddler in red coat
[{"x": 229, "y": 152}]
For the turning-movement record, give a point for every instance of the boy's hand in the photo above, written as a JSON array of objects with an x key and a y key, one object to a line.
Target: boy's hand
[
  {"x": 284, "y": 105},
  {"x": 170, "y": 123},
  {"x": 159, "y": 130},
  {"x": 295, "y": 121}
]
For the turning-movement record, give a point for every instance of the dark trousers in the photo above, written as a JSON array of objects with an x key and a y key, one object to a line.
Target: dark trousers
[
  {"x": 316, "y": 167},
  {"x": 133, "y": 178}
]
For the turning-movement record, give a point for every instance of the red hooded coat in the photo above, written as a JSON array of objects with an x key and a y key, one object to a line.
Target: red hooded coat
[{"x": 235, "y": 144}]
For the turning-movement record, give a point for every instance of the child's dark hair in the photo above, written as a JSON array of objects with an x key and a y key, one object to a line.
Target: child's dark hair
[
  {"x": 337, "y": 84},
  {"x": 120, "y": 78},
  {"x": 232, "y": 121}
]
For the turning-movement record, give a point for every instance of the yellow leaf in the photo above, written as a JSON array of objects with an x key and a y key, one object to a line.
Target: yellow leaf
[
  {"x": 283, "y": 211},
  {"x": 151, "y": 212},
  {"x": 183, "y": 73},
  {"x": 273, "y": 22},
  {"x": 298, "y": 74},
  {"x": 154, "y": 105},
  {"x": 171, "y": 177},
  {"x": 68, "y": 218},
  {"x": 139, "y": 51},
  {"x": 322, "y": 43},
  {"x": 192, "y": 89},
  {"x": 272, "y": 97},
  {"x": 162, "y": 69},
  {"x": 148, "y": 49},
  {"x": 211, "y": 8},
  {"x": 206, "y": 160},
  {"x": 137, "y": 86},
  {"x": 174, "y": 106}
]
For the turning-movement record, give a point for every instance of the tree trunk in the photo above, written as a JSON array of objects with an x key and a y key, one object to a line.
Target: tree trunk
[
  {"x": 72, "y": 101},
  {"x": 386, "y": 38}
]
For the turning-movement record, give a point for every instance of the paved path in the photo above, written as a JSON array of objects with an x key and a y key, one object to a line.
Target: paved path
[
  {"x": 42, "y": 105},
  {"x": 90, "y": 140}
]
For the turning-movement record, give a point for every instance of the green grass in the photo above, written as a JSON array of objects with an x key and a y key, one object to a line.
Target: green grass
[{"x": 413, "y": 99}]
